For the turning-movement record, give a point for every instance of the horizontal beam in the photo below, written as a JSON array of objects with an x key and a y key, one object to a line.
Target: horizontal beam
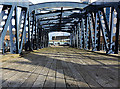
[
  {"x": 54, "y": 22},
  {"x": 54, "y": 19},
  {"x": 20, "y": 3},
  {"x": 54, "y": 30},
  {"x": 63, "y": 26},
  {"x": 58, "y": 11},
  {"x": 57, "y": 5},
  {"x": 64, "y": 19},
  {"x": 98, "y": 5},
  {"x": 53, "y": 15},
  {"x": 57, "y": 23}
]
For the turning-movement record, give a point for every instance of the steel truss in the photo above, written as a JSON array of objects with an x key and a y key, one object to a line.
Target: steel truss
[{"x": 87, "y": 24}]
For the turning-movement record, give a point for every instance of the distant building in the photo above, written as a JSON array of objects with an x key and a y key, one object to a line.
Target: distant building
[
  {"x": 60, "y": 37},
  {"x": 60, "y": 40}
]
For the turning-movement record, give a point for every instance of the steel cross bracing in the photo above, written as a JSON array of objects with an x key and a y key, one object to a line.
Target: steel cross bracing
[{"x": 91, "y": 25}]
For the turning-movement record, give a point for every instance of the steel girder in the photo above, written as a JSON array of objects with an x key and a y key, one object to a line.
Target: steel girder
[
  {"x": 57, "y": 5},
  {"x": 100, "y": 23},
  {"x": 59, "y": 11},
  {"x": 75, "y": 6},
  {"x": 5, "y": 26},
  {"x": 19, "y": 3},
  {"x": 87, "y": 27},
  {"x": 16, "y": 30}
]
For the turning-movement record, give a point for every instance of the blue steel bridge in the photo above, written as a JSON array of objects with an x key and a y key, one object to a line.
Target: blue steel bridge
[
  {"x": 83, "y": 65},
  {"x": 29, "y": 24}
]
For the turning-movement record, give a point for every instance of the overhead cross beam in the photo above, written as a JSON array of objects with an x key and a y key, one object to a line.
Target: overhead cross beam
[
  {"x": 54, "y": 19},
  {"x": 57, "y": 5},
  {"x": 59, "y": 11}
]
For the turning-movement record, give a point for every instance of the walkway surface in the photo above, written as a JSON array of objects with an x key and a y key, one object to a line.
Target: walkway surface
[{"x": 58, "y": 67}]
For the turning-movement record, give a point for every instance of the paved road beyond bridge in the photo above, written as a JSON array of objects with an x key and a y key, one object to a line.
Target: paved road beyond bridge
[{"x": 61, "y": 68}]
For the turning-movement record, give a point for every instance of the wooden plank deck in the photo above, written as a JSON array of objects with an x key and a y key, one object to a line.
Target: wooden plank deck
[{"x": 61, "y": 68}]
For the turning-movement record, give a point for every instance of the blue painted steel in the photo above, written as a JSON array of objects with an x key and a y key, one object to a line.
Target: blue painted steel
[
  {"x": 73, "y": 37},
  {"x": 112, "y": 30},
  {"x": 20, "y": 3},
  {"x": 5, "y": 27},
  {"x": 96, "y": 32},
  {"x": 57, "y": 5},
  {"x": 84, "y": 26},
  {"x": 82, "y": 34},
  {"x": 86, "y": 35},
  {"x": 91, "y": 30},
  {"x": 79, "y": 34},
  {"x": 17, "y": 30},
  {"x": 83, "y": 29},
  {"x": 108, "y": 14},
  {"x": 24, "y": 30},
  {"x": 104, "y": 32},
  {"x": 11, "y": 37}
]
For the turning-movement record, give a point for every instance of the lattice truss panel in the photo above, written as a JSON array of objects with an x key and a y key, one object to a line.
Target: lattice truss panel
[
  {"x": 93, "y": 26},
  {"x": 13, "y": 24},
  {"x": 99, "y": 27}
]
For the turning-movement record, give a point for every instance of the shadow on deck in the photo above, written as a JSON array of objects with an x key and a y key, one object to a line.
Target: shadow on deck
[{"x": 74, "y": 69}]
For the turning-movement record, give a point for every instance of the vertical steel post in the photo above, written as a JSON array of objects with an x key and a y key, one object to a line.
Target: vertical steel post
[
  {"x": 96, "y": 32},
  {"x": 11, "y": 37},
  {"x": 117, "y": 34},
  {"x": 70, "y": 39},
  {"x": 83, "y": 32},
  {"x": 29, "y": 42},
  {"x": 74, "y": 37},
  {"x": 79, "y": 34},
  {"x": 35, "y": 37},
  {"x": 24, "y": 29},
  {"x": 91, "y": 30},
  {"x": 86, "y": 34},
  {"x": 104, "y": 29},
  {"x": 17, "y": 31},
  {"x": 111, "y": 31}
]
